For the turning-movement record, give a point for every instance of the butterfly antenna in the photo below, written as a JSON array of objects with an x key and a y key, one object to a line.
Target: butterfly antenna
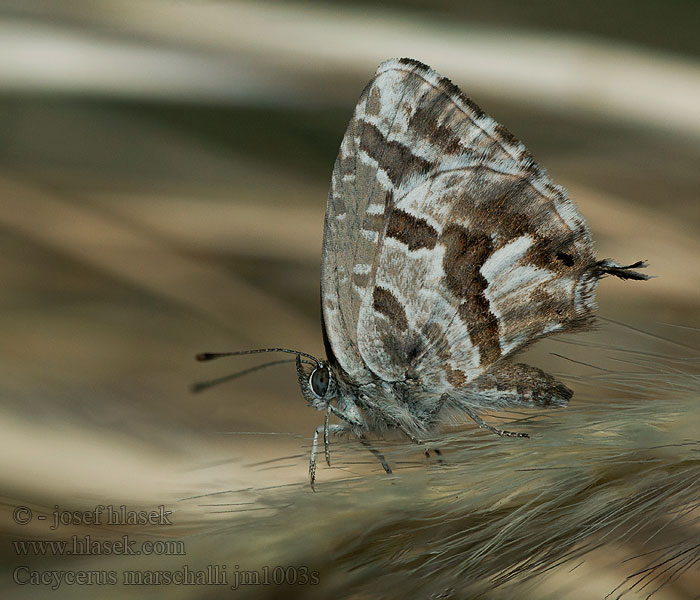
[
  {"x": 204, "y": 356},
  {"x": 204, "y": 385}
]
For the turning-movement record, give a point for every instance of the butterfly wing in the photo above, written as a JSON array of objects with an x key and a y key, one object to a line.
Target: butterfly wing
[{"x": 446, "y": 247}]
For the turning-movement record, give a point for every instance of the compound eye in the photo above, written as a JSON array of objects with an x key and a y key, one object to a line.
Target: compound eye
[{"x": 319, "y": 381}]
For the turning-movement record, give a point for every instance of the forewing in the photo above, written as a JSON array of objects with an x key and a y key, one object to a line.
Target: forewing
[{"x": 446, "y": 248}]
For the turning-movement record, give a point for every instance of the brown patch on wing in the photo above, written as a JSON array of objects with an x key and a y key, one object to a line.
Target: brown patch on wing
[
  {"x": 388, "y": 305},
  {"x": 430, "y": 122},
  {"x": 509, "y": 220},
  {"x": 503, "y": 207},
  {"x": 394, "y": 158},
  {"x": 455, "y": 377},
  {"x": 483, "y": 327},
  {"x": 560, "y": 256},
  {"x": 410, "y": 230},
  {"x": 465, "y": 253},
  {"x": 551, "y": 308}
]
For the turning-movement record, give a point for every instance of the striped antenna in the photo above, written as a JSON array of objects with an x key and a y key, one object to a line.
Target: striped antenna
[{"x": 204, "y": 356}]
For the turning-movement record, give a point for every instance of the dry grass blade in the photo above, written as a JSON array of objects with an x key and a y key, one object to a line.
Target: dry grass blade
[{"x": 599, "y": 486}]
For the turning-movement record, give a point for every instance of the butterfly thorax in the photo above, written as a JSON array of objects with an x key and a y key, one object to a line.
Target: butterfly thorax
[{"x": 380, "y": 406}]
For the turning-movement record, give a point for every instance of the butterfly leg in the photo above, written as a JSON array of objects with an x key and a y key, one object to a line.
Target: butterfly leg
[
  {"x": 326, "y": 428},
  {"x": 355, "y": 420},
  {"x": 326, "y": 445},
  {"x": 484, "y": 425},
  {"x": 358, "y": 423},
  {"x": 377, "y": 454},
  {"x": 430, "y": 419}
]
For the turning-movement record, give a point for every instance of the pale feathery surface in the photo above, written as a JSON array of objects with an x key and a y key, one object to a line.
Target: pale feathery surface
[
  {"x": 616, "y": 475},
  {"x": 607, "y": 489}
]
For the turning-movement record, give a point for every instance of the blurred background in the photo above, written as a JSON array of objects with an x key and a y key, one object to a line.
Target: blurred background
[{"x": 164, "y": 168}]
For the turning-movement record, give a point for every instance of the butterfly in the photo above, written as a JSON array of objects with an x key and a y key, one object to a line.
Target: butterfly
[{"x": 446, "y": 250}]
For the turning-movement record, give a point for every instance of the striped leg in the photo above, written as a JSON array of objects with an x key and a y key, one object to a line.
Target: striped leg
[
  {"x": 484, "y": 425},
  {"x": 377, "y": 454},
  {"x": 326, "y": 428}
]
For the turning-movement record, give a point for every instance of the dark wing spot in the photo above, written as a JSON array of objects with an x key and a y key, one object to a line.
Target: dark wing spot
[
  {"x": 413, "y": 231},
  {"x": 465, "y": 254},
  {"x": 388, "y": 305},
  {"x": 392, "y": 157},
  {"x": 554, "y": 253},
  {"x": 455, "y": 378},
  {"x": 432, "y": 121},
  {"x": 567, "y": 259}
]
